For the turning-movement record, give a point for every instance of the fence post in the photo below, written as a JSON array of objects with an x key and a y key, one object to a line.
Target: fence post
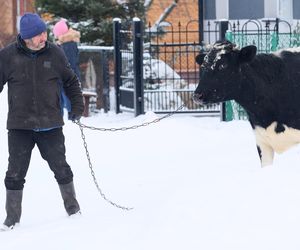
[
  {"x": 117, "y": 60},
  {"x": 275, "y": 36},
  {"x": 201, "y": 20},
  {"x": 105, "y": 80},
  {"x": 223, "y": 27},
  {"x": 138, "y": 66}
]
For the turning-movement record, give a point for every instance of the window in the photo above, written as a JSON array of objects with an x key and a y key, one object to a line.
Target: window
[
  {"x": 296, "y": 9},
  {"x": 246, "y": 9},
  {"x": 209, "y": 9}
]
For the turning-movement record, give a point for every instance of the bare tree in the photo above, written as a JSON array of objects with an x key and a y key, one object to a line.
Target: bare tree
[
  {"x": 147, "y": 4},
  {"x": 164, "y": 15}
]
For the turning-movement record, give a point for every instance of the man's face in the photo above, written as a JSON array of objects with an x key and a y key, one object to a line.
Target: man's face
[{"x": 37, "y": 42}]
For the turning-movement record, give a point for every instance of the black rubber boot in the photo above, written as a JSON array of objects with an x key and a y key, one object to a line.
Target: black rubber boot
[
  {"x": 13, "y": 208},
  {"x": 69, "y": 197}
]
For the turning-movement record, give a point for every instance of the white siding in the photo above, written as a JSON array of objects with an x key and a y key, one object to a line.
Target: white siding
[
  {"x": 285, "y": 9},
  {"x": 270, "y": 8},
  {"x": 279, "y": 8},
  {"x": 222, "y": 9}
]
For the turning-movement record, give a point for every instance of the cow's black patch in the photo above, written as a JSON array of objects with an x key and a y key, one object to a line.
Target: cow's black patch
[
  {"x": 279, "y": 128},
  {"x": 200, "y": 58},
  {"x": 259, "y": 151}
]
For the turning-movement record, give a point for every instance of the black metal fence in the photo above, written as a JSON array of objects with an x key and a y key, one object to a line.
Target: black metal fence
[
  {"x": 128, "y": 63},
  {"x": 267, "y": 35},
  {"x": 95, "y": 64},
  {"x": 171, "y": 73},
  {"x": 156, "y": 69}
]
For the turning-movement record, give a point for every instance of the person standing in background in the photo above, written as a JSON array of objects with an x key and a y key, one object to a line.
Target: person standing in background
[{"x": 68, "y": 39}]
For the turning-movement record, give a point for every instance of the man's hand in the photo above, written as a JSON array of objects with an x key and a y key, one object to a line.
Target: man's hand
[{"x": 73, "y": 117}]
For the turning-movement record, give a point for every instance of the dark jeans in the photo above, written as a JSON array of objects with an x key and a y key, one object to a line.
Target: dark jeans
[{"x": 51, "y": 145}]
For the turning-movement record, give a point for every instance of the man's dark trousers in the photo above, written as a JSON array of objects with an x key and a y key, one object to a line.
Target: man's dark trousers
[{"x": 51, "y": 145}]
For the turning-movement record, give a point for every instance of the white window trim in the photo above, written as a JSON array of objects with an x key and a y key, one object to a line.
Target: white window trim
[
  {"x": 222, "y": 9},
  {"x": 285, "y": 9}
]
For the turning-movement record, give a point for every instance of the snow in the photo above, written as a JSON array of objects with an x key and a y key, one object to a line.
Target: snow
[{"x": 194, "y": 183}]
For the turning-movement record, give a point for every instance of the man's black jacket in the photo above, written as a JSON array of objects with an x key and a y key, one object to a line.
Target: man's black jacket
[{"x": 34, "y": 97}]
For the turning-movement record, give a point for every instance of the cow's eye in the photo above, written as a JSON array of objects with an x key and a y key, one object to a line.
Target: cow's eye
[{"x": 222, "y": 66}]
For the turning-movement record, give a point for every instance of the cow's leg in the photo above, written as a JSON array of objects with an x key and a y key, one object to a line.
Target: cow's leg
[
  {"x": 265, "y": 151},
  {"x": 266, "y": 154}
]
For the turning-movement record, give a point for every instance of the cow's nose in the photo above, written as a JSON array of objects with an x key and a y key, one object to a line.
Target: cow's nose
[{"x": 197, "y": 98}]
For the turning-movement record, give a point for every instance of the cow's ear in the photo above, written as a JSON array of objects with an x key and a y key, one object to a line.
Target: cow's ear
[
  {"x": 200, "y": 58},
  {"x": 247, "y": 54}
]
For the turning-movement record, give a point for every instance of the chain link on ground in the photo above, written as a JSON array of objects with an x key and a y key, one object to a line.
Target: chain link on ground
[
  {"x": 94, "y": 176},
  {"x": 82, "y": 126}
]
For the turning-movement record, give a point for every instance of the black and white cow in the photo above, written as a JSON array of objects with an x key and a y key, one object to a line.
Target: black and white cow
[{"x": 267, "y": 86}]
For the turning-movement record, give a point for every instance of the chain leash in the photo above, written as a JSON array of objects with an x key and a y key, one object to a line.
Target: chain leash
[
  {"x": 93, "y": 173},
  {"x": 82, "y": 126},
  {"x": 131, "y": 127}
]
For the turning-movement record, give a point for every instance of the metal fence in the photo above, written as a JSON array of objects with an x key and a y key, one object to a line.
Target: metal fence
[
  {"x": 155, "y": 70},
  {"x": 162, "y": 62},
  {"x": 171, "y": 73},
  {"x": 127, "y": 66},
  {"x": 95, "y": 63},
  {"x": 267, "y": 35}
]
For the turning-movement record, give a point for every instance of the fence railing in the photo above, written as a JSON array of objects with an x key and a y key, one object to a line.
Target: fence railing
[
  {"x": 166, "y": 64},
  {"x": 95, "y": 64},
  {"x": 155, "y": 70}
]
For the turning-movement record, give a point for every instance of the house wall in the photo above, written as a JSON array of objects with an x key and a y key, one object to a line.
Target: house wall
[
  {"x": 185, "y": 27},
  {"x": 251, "y": 9},
  {"x": 9, "y": 18},
  {"x": 6, "y": 13}
]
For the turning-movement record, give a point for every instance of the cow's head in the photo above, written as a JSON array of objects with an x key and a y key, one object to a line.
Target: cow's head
[{"x": 220, "y": 72}]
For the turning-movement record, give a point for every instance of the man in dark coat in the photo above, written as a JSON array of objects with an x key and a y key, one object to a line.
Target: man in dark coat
[{"x": 33, "y": 68}]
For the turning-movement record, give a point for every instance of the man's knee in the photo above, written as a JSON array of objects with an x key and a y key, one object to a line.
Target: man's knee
[
  {"x": 13, "y": 183},
  {"x": 64, "y": 180}
]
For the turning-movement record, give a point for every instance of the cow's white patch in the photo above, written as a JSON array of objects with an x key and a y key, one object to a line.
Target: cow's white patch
[
  {"x": 218, "y": 57},
  {"x": 294, "y": 49},
  {"x": 269, "y": 141}
]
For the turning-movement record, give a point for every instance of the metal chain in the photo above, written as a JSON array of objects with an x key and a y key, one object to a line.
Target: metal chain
[
  {"x": 131, "y": 127},
  {"x": 94, "y": 176},
  {"x": 82, "y": 126}
]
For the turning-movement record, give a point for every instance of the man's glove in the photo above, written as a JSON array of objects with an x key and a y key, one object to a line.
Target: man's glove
[{"x": 73, "y": 117}]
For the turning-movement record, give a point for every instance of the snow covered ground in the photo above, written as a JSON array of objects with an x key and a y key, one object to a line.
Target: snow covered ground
[{"x": 195, "y": 183}]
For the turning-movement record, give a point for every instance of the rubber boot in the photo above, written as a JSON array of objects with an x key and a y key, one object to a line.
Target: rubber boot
[
  {"x": 13, "y": 208},
  {"x": 69, "y": 197}
]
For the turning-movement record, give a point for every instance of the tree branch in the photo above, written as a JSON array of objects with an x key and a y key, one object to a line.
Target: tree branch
[{"x": 165, "y": 14}]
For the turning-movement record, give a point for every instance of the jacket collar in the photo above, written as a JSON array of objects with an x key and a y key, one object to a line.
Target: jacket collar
[{"x": 22, "y": 47}]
